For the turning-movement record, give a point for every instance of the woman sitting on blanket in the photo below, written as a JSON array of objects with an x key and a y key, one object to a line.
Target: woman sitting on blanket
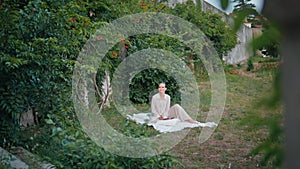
[{"x": 160, "y": 107}]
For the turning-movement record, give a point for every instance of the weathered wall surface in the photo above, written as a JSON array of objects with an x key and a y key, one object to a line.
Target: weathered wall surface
[{"x": 241, "y": 51}]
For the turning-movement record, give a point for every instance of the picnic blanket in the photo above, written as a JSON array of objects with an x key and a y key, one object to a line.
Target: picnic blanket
[{"x": 164, "y": 126}]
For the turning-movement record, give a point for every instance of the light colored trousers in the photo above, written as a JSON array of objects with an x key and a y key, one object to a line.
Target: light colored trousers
[{"x": 178, "y": 112}]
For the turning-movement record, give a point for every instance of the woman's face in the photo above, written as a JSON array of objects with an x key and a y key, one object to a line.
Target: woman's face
[{"x": 162, "y": 88}]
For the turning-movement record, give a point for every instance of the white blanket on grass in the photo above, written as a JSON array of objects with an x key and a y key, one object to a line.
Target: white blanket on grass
[{"x": 164, "y": 126}]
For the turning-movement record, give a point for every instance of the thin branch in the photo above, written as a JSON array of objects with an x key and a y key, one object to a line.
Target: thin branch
[{"x": 97, "y": 89}]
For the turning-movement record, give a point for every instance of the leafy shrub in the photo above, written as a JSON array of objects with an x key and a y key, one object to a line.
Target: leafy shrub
[
  {"x": 249, "y": 65},
  {"x": 145, "y": 84}
]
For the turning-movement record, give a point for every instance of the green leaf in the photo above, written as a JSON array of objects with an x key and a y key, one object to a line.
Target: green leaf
[
  {"x": 49, "y": 121},
  {"x": 224, "y": 4}
]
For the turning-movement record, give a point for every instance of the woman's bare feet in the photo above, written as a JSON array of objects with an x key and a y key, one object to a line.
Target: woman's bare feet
[{"x": 192, "y": 121}]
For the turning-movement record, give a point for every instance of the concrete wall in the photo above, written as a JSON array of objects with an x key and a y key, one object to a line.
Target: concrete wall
[{"x": 241, "y": 52}]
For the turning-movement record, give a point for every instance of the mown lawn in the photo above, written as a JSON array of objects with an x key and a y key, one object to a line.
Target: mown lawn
[{"x": 241, "y": 128}]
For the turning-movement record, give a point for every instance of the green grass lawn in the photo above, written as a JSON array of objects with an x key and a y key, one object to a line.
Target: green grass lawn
[{"x": 240, "y": 130}]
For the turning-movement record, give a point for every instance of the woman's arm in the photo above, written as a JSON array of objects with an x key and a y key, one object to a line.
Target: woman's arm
[
  {"x": 154, "y": 108},
  {"x": 167, "y": 106}
]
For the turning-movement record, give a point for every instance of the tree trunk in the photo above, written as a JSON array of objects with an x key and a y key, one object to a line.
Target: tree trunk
[{"x": 27, "y": 118}]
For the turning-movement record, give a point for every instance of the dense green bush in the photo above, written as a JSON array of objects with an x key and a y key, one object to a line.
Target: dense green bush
[
  {"x": 38, "y": 48},
  {"x": 145, "y": 84},
  {"x": 216, "y": 30}
]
